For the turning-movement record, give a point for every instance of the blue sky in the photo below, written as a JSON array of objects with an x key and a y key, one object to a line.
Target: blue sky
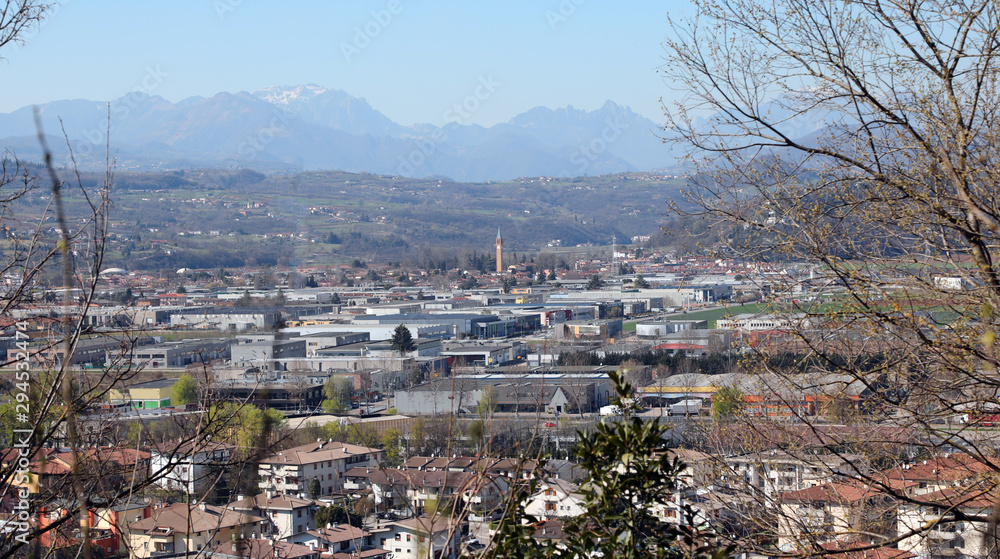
[{"x": 412, "y": 60}]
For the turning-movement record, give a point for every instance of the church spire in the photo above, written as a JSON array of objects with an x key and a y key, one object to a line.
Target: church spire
[{"x": 499, "y": 252}]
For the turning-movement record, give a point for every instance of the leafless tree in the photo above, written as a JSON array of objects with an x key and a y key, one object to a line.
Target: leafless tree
[{"x": 860, "y": 138}]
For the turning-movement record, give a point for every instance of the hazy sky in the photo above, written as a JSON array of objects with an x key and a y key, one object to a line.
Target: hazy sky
[{"x": 412, "y": 60}]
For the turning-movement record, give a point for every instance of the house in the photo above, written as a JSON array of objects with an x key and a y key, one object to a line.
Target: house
[
  {"x": 423, "y": 490},
  {"x": 189, "y": 466},
  {"x": 834, "y": 512},
  {"x": 262, "y": 549},
  {"x": 109, "y": 466},
  {"x": 184, "y": 527},
  {"x": 291, "y": 471},
  {"x": 778, "y": 471},
  {"x": 288, "y": 515},
  {"x": 926, "y": 531},
  {"x": 339, "y": 538},
  {"x": 550, "y": 532},
  {"x": 117, "y": 517},
  {"x": 421, "y": 537},
  {"x": 555, "y": 498},
  {"x": 58, "y": 534},
  {"x": 939, "y": 472}
]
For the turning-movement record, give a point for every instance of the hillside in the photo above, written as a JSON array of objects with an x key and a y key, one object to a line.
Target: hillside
[{"x": 210, "y": 218}]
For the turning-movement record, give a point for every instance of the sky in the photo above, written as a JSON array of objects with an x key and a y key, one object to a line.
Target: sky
[{"x": 411, "y": 60}]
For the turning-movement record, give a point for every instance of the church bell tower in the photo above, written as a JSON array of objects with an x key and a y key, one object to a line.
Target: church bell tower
[{"x": 499, "y": 252}]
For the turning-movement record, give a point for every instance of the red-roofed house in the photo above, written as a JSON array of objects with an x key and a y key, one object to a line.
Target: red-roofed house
[
  {"x": 291, "y": 471},
  {"x": 933, "y": 534},
  {"x": 834, "y": 512}
]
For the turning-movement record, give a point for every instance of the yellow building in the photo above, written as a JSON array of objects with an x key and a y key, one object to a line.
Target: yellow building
[{"x": 145, "y": 395}]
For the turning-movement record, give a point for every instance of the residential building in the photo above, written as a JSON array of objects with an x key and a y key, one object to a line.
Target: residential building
[
  {"x": 776, "y": 472},
  {"x": 291, "y": 471},
  {"x": 288, "y": 515},
  {"x": 834, "y": 512},
  {"x": 555, "y": 498},
  {"x": 340, "y": 539},
  {"x": 422, "y": 537},
  {"x": 428, "y": 490},
  {"x": 262, "y": 549},
  {"x": 950, "y": 539},
  {"x": 190, "y": 466},
  {"x": 189, "y": 527}
]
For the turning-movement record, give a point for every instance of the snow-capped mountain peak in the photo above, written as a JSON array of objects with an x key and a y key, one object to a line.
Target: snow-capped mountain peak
[{"x": 285, "y": 96}]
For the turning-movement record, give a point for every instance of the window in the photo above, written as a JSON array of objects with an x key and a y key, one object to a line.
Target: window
[
  {"x": 550, "y": 506},
  {"x": 398, "y": 538},
  {"x": 300, "y": 513},
  {"x": 407, "y": 537}
]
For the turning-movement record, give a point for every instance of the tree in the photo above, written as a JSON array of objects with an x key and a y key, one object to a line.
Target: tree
[
  {"x": 337, "y": 514},
  {"x": 507, "y": 283},
  {"x": 338, "y": 392},
  {"x": 628, "y": 475},
  {"x": 888, "y": 200},
  {"x": 62, "y": 242},
  {"x": 19, "y": 17},
  {"x": 315, "y": 488},
  {"x": 594, "y": 282},
  {"x": 185, "y": 391},
  {"x": 640, "y": 282},
  {"x": 394, "y": 444},
  {"x": 727, "y": 402},
  {"x": 487, "y": 403},
  {"x": 402, "y": 340}
]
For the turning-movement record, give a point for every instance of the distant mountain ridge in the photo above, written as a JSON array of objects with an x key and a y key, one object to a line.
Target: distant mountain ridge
[{"x": 310, "y": 127}]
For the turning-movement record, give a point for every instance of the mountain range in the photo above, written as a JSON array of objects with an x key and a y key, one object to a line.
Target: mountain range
[{"x": 309, "y": 127}]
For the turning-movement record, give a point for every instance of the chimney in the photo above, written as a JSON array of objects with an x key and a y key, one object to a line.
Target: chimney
[{"x": 202, "y": 505}]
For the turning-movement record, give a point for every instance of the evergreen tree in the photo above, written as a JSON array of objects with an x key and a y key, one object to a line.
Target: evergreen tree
[
  {"x": 594, "y": 282},
  {"x": 402, "y": 340}
]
